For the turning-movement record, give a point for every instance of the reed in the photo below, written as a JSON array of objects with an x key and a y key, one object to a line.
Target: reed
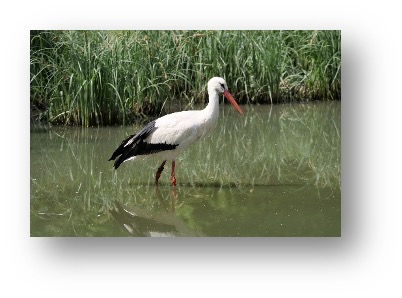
[{"x": 115, "y": 77}]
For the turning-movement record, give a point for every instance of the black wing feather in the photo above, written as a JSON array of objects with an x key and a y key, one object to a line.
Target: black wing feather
[
  {"x": 134, "y": 139},
  {"x": 135, "y": 145}
]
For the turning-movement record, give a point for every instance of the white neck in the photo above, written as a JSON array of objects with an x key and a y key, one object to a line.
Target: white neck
[
  {"x": 212, "y": 109},
  {"x": 209, "y": 115}
]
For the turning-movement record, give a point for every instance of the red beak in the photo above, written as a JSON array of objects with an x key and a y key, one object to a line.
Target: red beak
[{"x": 232, "y": 101}]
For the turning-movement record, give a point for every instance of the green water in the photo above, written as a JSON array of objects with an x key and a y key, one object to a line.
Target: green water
[{"x": 273, "y": 172}]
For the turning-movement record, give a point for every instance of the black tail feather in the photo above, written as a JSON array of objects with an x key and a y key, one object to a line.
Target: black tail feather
[
  {"x": 128, "y": 146},
  {"x": 120, "y": 150}
]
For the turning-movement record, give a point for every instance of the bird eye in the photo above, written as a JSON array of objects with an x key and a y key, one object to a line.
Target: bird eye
[{"x": 223, "y": 86}]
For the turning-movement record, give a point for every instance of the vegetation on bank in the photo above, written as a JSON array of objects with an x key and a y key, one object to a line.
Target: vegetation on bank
[{"x": 109, "y": 77}]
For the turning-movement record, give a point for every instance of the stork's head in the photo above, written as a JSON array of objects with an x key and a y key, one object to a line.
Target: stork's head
[{"x": 218, "y": 85}]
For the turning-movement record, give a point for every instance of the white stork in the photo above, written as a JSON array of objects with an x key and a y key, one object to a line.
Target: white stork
[{"x": 168, "y": 136}]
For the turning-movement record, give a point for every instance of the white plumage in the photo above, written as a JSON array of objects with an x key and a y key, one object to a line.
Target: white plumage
[{"x": 168, "y": 136}]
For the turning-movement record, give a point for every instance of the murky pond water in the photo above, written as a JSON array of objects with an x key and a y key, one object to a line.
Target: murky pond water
[{"x": 273, "y": 172}]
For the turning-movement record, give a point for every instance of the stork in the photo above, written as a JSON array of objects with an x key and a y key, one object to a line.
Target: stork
[{"x": 168, "y": 136}]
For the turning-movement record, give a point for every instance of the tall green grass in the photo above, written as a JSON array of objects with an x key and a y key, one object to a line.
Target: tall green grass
[{"x": 108, "y": 77}]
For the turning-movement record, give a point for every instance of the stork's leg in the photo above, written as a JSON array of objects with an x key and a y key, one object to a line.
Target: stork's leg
[
  {"x": 172, "y": 177},
  {"x": 159, "y": 172}
]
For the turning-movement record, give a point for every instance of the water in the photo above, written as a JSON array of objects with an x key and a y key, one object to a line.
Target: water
[{"x": 273, "y": 172}]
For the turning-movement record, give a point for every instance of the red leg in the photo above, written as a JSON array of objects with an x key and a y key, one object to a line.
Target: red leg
[
  {"x": 172, "y": 177},
  {"x": 159, "y": 172}
]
